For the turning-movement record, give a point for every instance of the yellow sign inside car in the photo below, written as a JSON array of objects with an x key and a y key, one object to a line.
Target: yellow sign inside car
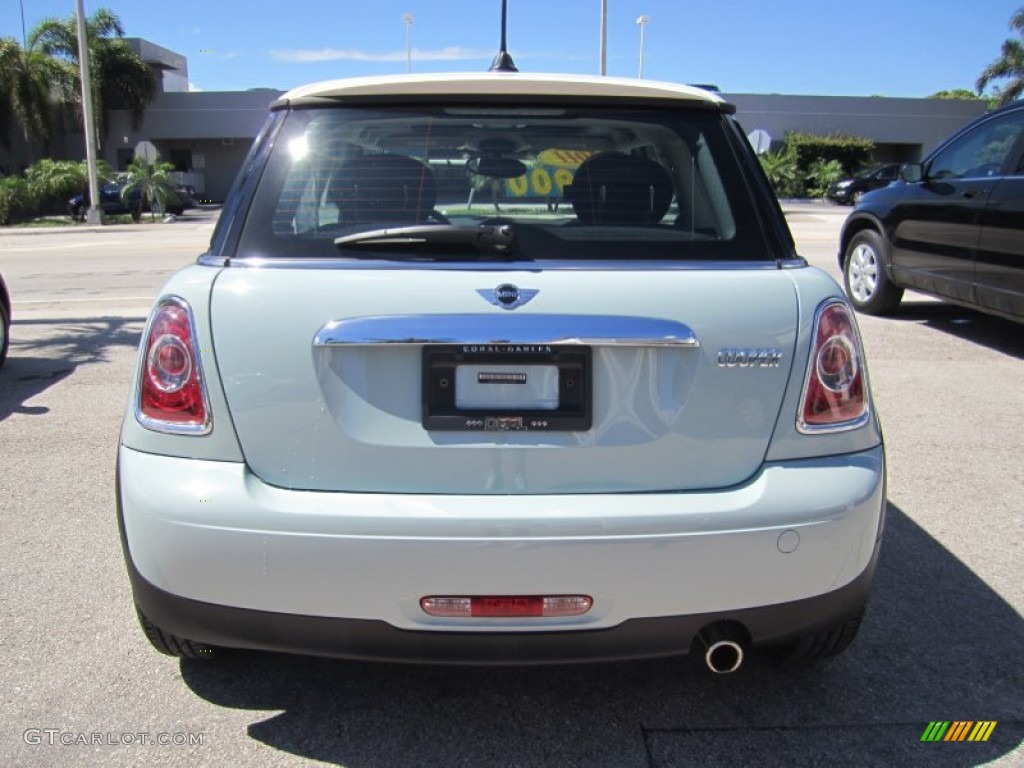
[
  {"x": 549, "y": 177},
  {"x": 568, "y": 158}
]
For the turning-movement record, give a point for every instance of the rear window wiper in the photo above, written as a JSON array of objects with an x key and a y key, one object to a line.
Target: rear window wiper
[{"x": 452, "y": 240}]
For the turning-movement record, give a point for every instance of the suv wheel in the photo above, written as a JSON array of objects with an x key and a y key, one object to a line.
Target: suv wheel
[{"x": 864, "y": 276}]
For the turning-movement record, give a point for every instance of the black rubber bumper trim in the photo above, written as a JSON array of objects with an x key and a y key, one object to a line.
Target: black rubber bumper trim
[
  {"x": 233, "y": 627},
  {"x": 377, "y": 640}
]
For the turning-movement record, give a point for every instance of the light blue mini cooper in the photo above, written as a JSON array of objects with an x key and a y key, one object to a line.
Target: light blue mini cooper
[{"x": 501, "y": 368}]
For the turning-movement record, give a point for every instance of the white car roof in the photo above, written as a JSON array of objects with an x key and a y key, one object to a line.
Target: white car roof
[{"x": 498, "y": 84}]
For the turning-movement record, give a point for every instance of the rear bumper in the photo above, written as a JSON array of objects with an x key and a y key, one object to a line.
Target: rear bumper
[
  {"x": 372, "y": 640},
  {"x": 217, "y": 556},
  {"x": 840, "y": 196}
]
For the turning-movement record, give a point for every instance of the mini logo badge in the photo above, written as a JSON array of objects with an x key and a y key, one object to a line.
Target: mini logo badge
[{"x": 507, "y": 295}]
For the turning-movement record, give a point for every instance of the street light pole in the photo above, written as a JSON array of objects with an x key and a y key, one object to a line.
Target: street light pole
[
  {"x": 93, "y": 215},
  {"x": 408, "y": 19},
  {"x": 641, "y": 22},
  {"x": 604, "y": 38}
]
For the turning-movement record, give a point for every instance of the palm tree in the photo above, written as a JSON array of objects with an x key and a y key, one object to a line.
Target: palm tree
[
  {"x": 1009, "y": 65},
  {"x": 31, "y": 82},
  {"x": 119, "y": 75},
  {"x": 148, "y": 183}
]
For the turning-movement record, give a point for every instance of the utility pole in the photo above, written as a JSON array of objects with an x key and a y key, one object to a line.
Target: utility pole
[{"x": 94, "y": 215}]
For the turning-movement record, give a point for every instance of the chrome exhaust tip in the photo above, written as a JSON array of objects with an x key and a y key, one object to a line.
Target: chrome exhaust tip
[{"x": 723, "y": 648}]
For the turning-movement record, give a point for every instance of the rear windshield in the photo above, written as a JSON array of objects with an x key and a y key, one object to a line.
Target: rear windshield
[{"x": 570, "y": 183}]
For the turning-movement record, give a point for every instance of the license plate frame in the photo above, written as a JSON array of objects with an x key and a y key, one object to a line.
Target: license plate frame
[{"x": 573, "y": 412}]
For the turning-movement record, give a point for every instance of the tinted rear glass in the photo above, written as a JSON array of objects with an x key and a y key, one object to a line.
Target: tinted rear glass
[{"x": 574, "y": 183}]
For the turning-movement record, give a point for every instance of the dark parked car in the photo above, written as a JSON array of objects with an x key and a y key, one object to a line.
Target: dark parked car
[
  {"x": 952, "y": 226},
  {"x": 113, "y": 204},
  {"x": 5, "y": 320},
  {"x": 849, "y": 191},
  {"x": 186, "y": 195}
]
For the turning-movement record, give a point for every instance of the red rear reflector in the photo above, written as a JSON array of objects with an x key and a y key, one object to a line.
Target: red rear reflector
[
  {"x": 487, "y": 607},
  {"x": 506, "y": 606}
]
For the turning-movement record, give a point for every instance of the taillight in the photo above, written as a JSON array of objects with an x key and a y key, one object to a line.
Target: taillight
[
  {"x": 835, "y": 390},
  {"x": 172, "y": 395}
]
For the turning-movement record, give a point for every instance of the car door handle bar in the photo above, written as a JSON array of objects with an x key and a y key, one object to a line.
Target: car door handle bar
[{"x": 476, "y": 329}]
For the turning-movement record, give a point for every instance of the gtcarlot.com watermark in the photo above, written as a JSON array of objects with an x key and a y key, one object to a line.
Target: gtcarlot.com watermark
[{"x": 58, "y": 737}]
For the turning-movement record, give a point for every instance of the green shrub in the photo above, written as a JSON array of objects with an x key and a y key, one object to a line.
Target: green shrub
[
  {"x": 56, "y": 178},
  {"x": 16, "y": 199},
  {"x": 852, "y": 152},
  {"x": 54, "y": 181},
  {"x": 780, "y": 168},
  {"x": 806, "y": 164}
]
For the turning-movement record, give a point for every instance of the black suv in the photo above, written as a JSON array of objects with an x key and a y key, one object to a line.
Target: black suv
[{"x": 952, "y": 226}]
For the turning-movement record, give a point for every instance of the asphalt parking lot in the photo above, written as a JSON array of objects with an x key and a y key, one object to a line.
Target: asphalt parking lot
[{"x": 943, "y": 638}]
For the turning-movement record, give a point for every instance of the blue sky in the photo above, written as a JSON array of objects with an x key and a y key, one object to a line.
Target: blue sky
[{"x": 862, "y": 48}]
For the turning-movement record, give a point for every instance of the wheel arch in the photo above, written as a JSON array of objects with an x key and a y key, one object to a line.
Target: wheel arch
[
  {"x": 5, "y": 319},
  {"x": 856, "y": 224},
  {"x": 5, "y": 298}
]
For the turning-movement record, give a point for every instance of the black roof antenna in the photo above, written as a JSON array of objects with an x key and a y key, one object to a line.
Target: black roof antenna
[{"x": 503, "y": 62}]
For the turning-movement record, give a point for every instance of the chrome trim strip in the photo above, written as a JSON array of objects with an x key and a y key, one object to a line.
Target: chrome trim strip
[
  {"x": 167, "y": 427},
  {"x": 253, "y": 262},
  {"x": 590, "y": 330},
  {"x": 211, "y": 260},
  {"x": 839, "y": 426}
]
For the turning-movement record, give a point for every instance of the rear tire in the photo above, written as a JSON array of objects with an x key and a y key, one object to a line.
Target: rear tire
[
  {"x": 864, "y": 276},
  {"x": 821, "y": 645},
  {"x": 172, "y": 645}
]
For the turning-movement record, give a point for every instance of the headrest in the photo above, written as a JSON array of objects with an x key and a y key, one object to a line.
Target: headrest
[
  {"x": 612, "y": 188},
  {"x": 387, "y": 188}
]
